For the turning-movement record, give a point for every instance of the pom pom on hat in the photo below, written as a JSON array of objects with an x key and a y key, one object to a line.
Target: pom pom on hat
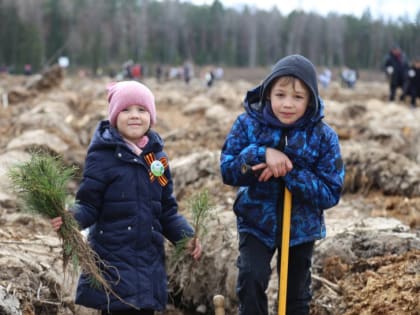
[{"x": 126, "y": 93}]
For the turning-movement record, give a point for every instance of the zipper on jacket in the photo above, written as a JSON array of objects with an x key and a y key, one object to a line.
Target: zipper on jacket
[{"x": 280, "y": 200}]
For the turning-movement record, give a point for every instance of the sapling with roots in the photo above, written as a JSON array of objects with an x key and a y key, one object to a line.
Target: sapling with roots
[
  {"x": 41, "y": 187},
  {"x": 200, "y": 212},
  {"x": 179, "y": 259}
]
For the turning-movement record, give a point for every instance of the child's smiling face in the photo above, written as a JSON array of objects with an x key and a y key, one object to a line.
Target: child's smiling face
[
  {"x": 289, "y": 98},
  {"x": 133, "y": 122}
]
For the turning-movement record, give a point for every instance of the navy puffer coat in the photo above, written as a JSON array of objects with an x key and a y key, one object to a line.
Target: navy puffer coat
[
  {"x": 129, "y": 215},
  {"x": 316, "y": 179}
]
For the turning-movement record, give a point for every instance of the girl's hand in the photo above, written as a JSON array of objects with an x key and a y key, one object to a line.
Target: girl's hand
[
  {"x": 194, "y": 247},
  {"x": 56, "y": 223}
]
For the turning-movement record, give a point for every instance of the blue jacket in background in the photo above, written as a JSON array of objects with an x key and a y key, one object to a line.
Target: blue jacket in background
[
  {"x": 129, "y": 216},
  {"x": 316, "y": 179}
]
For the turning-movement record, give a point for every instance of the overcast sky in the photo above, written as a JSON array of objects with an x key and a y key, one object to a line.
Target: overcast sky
[{"x": 378, "y": 8}]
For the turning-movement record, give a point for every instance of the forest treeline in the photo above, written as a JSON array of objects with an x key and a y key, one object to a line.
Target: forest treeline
[{"x": 104, "y": 33}]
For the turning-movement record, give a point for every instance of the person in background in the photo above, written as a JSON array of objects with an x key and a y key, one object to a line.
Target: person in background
[
  {"x": 281, "y": 141},
  {"x": 126, "y": 69},
  {"x": 4, "y": 69},
  {"x": 137, "y": 71},
  {"x": 396, "y": 66},
  {"x": 325, "y": 78},
  {"x": 159, "y": 72},
  {"x": 27, "y": 69},
  {"x": 187, "y": 71},
  {"x": 413, "y": 86},
  {"x": 209, "y": 78},
  {"x": 129, "y": 206},
  {"x": 218, "y": 73},
  {"x": 349, "y": 77}
]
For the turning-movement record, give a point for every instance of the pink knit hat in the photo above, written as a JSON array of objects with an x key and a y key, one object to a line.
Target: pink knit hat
[{"x": 125, "y": 93}]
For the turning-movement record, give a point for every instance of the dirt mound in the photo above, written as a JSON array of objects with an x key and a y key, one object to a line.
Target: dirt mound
[{"x": 357, "y": 270}]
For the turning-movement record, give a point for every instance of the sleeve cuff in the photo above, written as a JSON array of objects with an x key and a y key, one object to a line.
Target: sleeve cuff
[{"x": 261, "y": 154}]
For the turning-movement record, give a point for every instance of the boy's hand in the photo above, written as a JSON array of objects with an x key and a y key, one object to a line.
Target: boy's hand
[
  {"x": 277, "y": 165},
  {"x": 194, "y": 247},
  {"x": 262, "y": 171}
]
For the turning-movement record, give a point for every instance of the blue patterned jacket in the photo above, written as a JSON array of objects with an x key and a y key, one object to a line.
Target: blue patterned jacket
[{"x": 317, "y": 176}]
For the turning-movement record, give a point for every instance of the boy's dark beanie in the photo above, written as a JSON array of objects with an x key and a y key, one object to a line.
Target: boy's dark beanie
[{"x": 294, "y": 65}]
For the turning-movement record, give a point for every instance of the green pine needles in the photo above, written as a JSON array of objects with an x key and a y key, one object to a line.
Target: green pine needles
[
  {"x": 200, "y": 212},
  {"x": 180, "y": 264},
  {"x": 41, "y": 186},
  {"x": 200, "y": 207}
]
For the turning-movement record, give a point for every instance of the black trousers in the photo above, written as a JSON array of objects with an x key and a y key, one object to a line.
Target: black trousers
[
  {"x": 129, "y": 312},
  {"x": 255, "y": 271},
  {"x": 414, "y": 94},
  {"x": 394, "y": 85}
]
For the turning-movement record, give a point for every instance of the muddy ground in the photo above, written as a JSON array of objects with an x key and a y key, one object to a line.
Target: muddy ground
[{"x": 368, "y": 264}]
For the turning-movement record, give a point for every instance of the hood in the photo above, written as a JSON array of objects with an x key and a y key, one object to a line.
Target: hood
[
  {"x": 296, "y": 66},
  {"x": 106, "y": 135}
]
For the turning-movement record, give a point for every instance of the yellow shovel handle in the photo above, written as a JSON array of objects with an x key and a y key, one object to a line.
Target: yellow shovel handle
[{"x": 284, "y": 259}]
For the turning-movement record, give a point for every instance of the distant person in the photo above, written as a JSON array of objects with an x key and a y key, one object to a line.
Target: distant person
[
  {"x": 129, "y": 206},
  {"x": 413, "y": 87},
  {"x": 174, "y": 73},
  {"x": 4, "y": 69},
  {"x": 209, "y": 78},
  {"x": 159, "y": 72},
  {"x": 325, "y": 78},
  {"x": 126, "y": 68},
  {"x": 218, "y": 73},
  {"x": 27, "y": 69},
  {"x": 136, "y": 71},
  {"x": 349, "y": 77},
  {"x": 187, "y": 72},
  {"x": 396, "y": 66},
  {"x": 281, "y": 141}
]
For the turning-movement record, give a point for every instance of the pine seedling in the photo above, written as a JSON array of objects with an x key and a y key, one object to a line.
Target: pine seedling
[
  {"x": 41, "y": 186},
  {"x": 180, "y": 260},
  {"x": 200, "y": 213},
  {"x": 200, "y": 207}
]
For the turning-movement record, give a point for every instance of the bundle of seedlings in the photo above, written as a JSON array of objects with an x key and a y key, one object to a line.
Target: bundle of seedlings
[{"x": 41, "y": 187}]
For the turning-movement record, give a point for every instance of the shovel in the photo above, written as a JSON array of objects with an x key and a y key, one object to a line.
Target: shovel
[
  {"x": 285, "y": 240},
  {"x": 219, "y": 304},
  {"x": 284, "y": 258}
]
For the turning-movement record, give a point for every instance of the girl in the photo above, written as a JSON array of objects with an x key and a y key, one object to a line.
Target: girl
[{"x": 126, "y": 199}]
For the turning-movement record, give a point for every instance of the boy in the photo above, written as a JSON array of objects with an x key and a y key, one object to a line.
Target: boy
[
  {"x": 414, "y": 81},
  {"x": 283, "y": 139}
]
